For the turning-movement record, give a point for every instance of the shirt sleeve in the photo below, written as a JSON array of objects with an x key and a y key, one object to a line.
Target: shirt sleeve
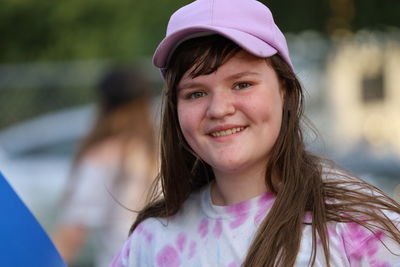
[
  {"x": 137, "y": 250},
  {"x": 121, "y": 259}
]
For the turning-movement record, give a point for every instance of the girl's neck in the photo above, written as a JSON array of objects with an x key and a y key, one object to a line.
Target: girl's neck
[{"x": 232, "y": 188}]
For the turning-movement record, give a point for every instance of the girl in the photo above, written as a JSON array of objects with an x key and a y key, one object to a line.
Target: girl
[{"x": 239, "y": 187}]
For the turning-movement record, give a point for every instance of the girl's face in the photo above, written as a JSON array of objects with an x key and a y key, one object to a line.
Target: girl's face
[{"x": 231, "y": 118}]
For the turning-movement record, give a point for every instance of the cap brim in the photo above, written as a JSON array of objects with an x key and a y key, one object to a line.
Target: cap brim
[{"x": 246, "y": 41}]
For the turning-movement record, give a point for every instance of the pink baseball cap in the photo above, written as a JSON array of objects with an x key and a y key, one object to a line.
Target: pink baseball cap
[{"x": 248, "y": 23}]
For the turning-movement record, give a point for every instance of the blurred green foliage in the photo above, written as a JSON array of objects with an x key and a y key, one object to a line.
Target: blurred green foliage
[{"x": 43, "y": 30}]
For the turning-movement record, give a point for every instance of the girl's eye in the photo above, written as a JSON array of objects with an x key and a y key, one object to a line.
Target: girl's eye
[
  {"x": 241, "y": 85},
  {"x": 195, "y": 95}
]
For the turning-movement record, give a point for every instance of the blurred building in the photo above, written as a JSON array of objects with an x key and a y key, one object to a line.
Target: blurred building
[
  {"x": 352, "y": 98},
  {"x": 363, "y": 95}
]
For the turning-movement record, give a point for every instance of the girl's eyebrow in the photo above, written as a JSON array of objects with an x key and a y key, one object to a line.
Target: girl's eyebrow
[
  {"x": 241, "y": 75},
  {"x": 189, "y": 85}
]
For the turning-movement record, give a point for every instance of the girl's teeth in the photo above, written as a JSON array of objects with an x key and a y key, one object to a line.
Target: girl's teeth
[{"x": 227, "y": 132}]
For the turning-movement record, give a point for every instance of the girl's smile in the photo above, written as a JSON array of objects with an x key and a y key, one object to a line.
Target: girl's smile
[
  {"x": 231, "y": 118},
  {"x": 226, "y": 130}
]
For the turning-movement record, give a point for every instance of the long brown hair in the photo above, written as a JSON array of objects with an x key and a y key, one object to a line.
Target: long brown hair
[{"x": 306, "y": 183}]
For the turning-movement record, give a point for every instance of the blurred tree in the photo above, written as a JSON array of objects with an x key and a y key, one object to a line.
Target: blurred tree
[
  {"x": 75, "y": 29},
  {"x": 296, "y": 16},
  {"x": 328, "y": 16},
  {"x": 376, "y": 14},
  {"x": 123, "y": 29},
  {"x": 341, "y": 16}
]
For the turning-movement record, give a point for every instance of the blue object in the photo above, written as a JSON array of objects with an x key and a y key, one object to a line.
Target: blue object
[{"x": 23, "y": 242}]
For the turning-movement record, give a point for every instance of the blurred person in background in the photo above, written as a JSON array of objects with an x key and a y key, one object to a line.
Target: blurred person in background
[{"x": 112, "y": 171}]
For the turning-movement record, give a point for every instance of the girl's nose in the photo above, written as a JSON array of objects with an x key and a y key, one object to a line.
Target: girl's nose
[{"x": 221, "y": 104}]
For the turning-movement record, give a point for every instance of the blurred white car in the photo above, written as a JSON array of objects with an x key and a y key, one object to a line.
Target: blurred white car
[{"x": 36, "y": 156}]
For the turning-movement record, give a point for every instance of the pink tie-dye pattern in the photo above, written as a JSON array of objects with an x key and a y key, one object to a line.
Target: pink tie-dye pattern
[
  {"x": 203, "y": 227},
  {"x": 333, "y": 235},
  {"x": 117, "y": 261},
  {"x": 263, "y": 206},
  {"x": 121, "y": 258},
  {"x": 192, "y": 249},
  {"x": 332, "y": 231},
  {"x": 240, "y": 212},
  {"x": 139, "y": 229},
  {"x": 147, "y": 235},
  {"x": 373, "y": 264},
  {"x": 181, "y": 241},
  {"x": 265, "y": 198},
  {"x": 126, "y": 250},
  {"x": 217, "y": 228},
  {"x": 232, "y": 264},
  {"x": 366, "y": 244},
  {"x": 168, "y": 257},
  {"x": 308, "y": 217}
]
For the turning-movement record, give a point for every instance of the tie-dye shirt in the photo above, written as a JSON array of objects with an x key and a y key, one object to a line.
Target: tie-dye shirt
[{"x": 202, "y": 234}]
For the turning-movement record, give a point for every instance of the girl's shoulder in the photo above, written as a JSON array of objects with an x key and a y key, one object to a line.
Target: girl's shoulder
[
  {"x": 366, "y": 243},
  {"x": 365, "y": 229},
  {"x": 154, "y": 236},
  {"x": 367, "y": 215},
  {"x": 190, "y": 211}
]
